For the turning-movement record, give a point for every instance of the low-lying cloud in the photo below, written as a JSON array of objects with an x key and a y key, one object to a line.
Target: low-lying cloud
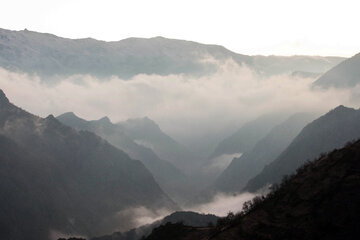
[
  {"x": 222, "y": 204},
  {"x": 139, "y": 216},
  {"x": 220, "y": 163},
  {"x": 184, "y": 106}
]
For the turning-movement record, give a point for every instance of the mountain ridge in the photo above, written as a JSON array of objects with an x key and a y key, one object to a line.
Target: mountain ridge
[
  {"x": 344, "y": 75},
  {"x": 49, "y": 56},
  {"x": 266, "y": 150},
  {"x": 329, "y": 131},
  {"x": 168, "y": 176},
  {"x": 75, "y": 175}
]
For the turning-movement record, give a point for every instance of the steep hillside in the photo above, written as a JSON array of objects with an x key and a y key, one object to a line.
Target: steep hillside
[
  {"x": 242, "y": 169},
  {"x": 146, "y": 132},
  {"x": 244, "y": 139},
  {"x": 345, "y": 75},
  {"x": 170, "y": 178},
  {"x": 330, "y": 131},
  {"x": 321, "y": 201},
  {"x": 63, "y": 180}
]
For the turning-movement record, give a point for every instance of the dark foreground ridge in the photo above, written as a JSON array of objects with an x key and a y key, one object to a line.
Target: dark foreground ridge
[
  {"x": 320, "y": 201},
  {"x": 187, "y": 218}
]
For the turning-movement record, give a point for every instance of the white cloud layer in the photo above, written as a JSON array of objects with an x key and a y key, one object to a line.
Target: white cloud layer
[
  {"x": 182, "y": 105},
  {"x": 139, "y": 216},
  {"x": 222, "y": 204}
]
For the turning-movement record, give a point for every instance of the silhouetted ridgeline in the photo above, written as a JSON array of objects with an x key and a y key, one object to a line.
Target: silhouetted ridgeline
[{"x": 320, "y": 201}]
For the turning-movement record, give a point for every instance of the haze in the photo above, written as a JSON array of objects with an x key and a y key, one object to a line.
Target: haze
[
  {"x": 277, "y": 27},
  {"x": 131, "y": 120}
]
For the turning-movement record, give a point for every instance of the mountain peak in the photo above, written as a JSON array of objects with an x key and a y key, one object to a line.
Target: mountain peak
[
  {"x": 68, "y": 115},
  {"x": 50, "y": 117},
  {"x": 341, "y": 109},
  {"x": 3, "y": 98},
  {"x": 105, "y": 119},
  {"x": 148, "y": 120}
]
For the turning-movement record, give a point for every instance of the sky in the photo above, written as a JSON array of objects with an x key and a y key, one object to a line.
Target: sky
[{"x": 277, "y": 27}]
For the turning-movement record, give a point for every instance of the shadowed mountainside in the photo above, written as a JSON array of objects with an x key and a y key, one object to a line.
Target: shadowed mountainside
[
  {"x": 242, "y": 169},
  {"x": 170, "y": 178},
  {"x": 244, "y": 139},
  {"x": 146, "y": 132},
  {"x": 330, "y": 131},
  {"x": 54, "y": 178},
  {"x": 320, "y": 201}
]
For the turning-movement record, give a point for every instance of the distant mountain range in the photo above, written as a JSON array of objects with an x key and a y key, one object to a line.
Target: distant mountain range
[
  {"x": 55, "y": 178},
  {"x": 320, "y": 201},
  {"x": 344, "y": 75},
  {"x": 266, "y": 150},
  {"x": 49, "y": 55},
  {"x": 140, "y": 138},
  {"x": 333, "y": 130}
]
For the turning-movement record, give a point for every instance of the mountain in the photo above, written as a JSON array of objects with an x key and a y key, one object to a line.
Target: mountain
[
  {"x": 188, "y": 218},
  {"x": 312, "y": 65},
  {"x": 328, "y": 132},
  {"x": 244, "y": 139},
  {"x": 55, "y": 179},
  {"x": 344, "y": 75},
  {"x": 49, "y": 55},
  {"x": 170, "y": 178},
  {"x": 146, "y": 132},
  {"x": 320, "y": 201},
  {"x": 242, "y": 169},
  {"x": 303, "y": 74}
]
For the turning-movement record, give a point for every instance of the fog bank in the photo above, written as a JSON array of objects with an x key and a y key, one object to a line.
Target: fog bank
[{"x": 187, "y": 108}]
